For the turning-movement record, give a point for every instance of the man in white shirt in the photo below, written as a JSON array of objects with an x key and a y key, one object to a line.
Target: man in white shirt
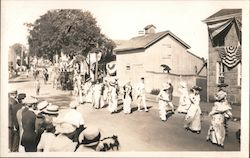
[{"x": 141, "y": 95}]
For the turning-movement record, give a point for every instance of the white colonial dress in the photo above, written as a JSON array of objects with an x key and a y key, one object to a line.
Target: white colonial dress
[
  {"x": 216, "y": 132},
  {"x": 193, "y": 117},
  {"x": 127, "y": 98}
]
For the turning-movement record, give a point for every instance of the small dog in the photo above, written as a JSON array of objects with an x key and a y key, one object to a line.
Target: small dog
[{"x": 108, "y": 143}]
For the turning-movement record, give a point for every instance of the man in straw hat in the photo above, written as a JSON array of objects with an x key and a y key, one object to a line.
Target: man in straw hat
[
  {"x": 71, "y": 123},
  {"x": 29, "y": 136},
  {"x": 90, "y": 137},
  {"x": 141, "y": 95}
]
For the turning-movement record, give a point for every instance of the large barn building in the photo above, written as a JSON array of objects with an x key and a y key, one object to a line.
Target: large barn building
[
  {"x": 148, "y": 54},
  {"x": 224, "y": 56}
]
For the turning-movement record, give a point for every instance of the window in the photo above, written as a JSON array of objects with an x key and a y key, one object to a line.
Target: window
[
  {"x": 220, "y": 70},
  {"x": 239, "y": 72}
]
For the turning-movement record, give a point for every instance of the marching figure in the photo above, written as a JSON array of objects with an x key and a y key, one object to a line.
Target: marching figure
[
  {"x": 113, "y": 97},
  {"x": 97, "y": 95},
  {"x": 104, "y": 94},
  {"x": 37, "y": 86},
  {"x": 170, "y": 93},
  {"x": 141, "y": 98},
  {"x": 184, "y": 102},
  {"x": 127, "y": 98},
  {"x": 163, "y": 98},
  {"x": 220, "y": 111},
  {"x": 193, "y": 117}
]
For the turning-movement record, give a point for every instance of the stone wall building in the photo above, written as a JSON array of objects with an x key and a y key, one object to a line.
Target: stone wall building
[{"x": 224, "y": 56}]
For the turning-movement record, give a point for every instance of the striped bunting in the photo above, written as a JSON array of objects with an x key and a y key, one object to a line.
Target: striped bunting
[{"x": 230, "y": 55}]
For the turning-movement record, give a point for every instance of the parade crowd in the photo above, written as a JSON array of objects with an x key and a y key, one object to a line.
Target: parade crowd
[{"x": 36, "y": 125}]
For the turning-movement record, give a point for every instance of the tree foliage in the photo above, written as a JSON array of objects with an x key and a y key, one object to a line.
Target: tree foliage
[{"x": 69, "y": 30}]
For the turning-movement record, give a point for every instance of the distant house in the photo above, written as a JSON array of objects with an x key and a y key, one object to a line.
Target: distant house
[
  {"x": 224, "y": 56},
  {"x": 145, "y": 55}
]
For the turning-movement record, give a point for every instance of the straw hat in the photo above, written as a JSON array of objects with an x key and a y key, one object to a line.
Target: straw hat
[
  {"x": 51, "y": 109},
  {"x": 13, "y": 91},
  {"x": 42, "y": 105},
  {"x": 90, "y": 136},
  {"x": 65, "y": 128},
  {"x": 30, "y": 100}
]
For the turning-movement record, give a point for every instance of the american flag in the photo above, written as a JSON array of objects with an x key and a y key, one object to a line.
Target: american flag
[{"x": 230, "y": 55}]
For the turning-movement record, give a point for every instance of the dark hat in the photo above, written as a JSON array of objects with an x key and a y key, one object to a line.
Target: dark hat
[
  {"x": 222, "y": 85},
  {"x": 21, "y": 96},
  {"x": 197, "y": 88}
]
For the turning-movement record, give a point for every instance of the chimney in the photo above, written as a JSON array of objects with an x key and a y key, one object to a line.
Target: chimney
[{"x": 149, "y": 29}]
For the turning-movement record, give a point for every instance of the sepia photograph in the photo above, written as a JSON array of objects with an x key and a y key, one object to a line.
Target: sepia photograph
[{"x": 138, "y": 78}]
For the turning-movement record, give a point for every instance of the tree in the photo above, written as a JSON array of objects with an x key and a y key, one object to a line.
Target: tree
[{"x": 69, "y": 30}]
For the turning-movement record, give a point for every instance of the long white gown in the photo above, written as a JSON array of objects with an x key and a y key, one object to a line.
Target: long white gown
[
  {"x": 184, "y": 101},
  {"x": 193, "y": 117},
  {"x": 216, "y": 132},
  {"x": 127, "y": 99}
]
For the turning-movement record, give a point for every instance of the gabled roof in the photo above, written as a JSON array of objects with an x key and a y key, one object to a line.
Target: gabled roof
[
  {"x": 145, "y": 41},
  {"x": 223, "y": 14}
]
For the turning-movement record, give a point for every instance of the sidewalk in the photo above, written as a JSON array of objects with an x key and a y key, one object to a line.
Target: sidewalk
[{"x": 205, "y": 106}]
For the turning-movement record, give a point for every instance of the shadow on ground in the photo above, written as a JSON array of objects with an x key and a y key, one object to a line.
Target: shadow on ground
[{"x": 61, "y": 100}]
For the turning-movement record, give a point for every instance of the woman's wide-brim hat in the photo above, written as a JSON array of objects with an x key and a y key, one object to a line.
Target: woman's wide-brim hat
[
  {"x": 42, "y": 105},
  {"x": 90, "y": 136},
  {"x": 197, "y": 88},
  {"x": 64, "y": 128},
  {"x": 51, "y": 109},
  {"x": 222, "y": 85},
  {"x": 220, "y": 95}
]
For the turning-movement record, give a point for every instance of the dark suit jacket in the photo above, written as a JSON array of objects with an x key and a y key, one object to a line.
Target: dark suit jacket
[
  {"x": 12, "y": 104},
  {"x": 29, "y": 136}
]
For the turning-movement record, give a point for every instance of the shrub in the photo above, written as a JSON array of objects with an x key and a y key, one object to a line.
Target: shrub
[{"x": 155, "y": 91}]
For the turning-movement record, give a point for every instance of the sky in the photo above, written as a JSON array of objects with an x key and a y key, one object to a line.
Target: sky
[{"x": 120, "y": 20}]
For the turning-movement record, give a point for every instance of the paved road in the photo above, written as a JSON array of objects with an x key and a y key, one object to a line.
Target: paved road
[{"x": 139, "y": 131}]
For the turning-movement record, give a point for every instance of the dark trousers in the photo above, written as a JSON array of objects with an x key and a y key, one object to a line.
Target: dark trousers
[
  {"x": 14, "y": 138},
  {"x": 75, "y": 134}
]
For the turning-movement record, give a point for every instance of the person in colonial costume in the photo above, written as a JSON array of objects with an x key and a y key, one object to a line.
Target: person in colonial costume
[
  {"x": 113, "y": 100},
  {"x": 88, "y": 91},
  {"x": 220, "y": 111},
  {"x": 97, "y": 88},
  {"x": 127, "y": 98},
  {"x": 184, "y": 101},
  {"x": 163, "y": 98},
  {"x": 104, "y": 94},
  {"x": 170, "y": 93},
  {"x": 141, "y": 95},
  {"x": 193, "y": 116}
]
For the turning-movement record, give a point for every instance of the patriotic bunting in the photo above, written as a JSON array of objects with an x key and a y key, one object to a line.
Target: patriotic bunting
[{"x": 230, "y": 55}]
